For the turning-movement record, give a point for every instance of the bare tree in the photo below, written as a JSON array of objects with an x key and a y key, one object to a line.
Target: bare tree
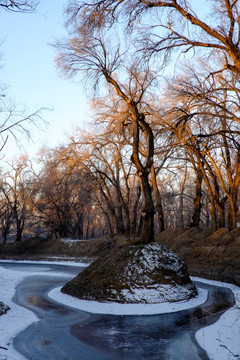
[
  {"x": 174, "y": 25},
  {"x": 6, "y": 214},
  {"x": 116, "y": 123},
  {"x": 202, "y": 120},
  {"x": 14, "y": 121},
  {"x": 91, "y": 56},
  {"x": 61, "y": 195},
  {"x": 16, "y": 188},
  {"x": 19, "y": 6},
  {"x": 205, "y": 120},
  {"x": 104, "y": 157}
]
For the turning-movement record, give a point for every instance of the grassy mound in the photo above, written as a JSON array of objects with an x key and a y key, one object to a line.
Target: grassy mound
[{"x": 134, "y": 274}]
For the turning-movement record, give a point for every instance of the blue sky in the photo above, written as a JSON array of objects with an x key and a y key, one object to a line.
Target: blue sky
[{"x": 31, "y": 77}]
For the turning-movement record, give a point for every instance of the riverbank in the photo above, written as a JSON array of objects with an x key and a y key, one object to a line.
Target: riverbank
[{"x": 206, "y": 254}]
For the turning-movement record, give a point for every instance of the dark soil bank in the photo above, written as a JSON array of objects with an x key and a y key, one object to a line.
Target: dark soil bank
[{"x": 214, "y": 256}]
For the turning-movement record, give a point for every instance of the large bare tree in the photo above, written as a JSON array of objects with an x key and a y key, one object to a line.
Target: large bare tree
[
  {"x": 95, "y": 58},
  {"x": 159, "y": 28},
  {"x": 205, "y": 119}
]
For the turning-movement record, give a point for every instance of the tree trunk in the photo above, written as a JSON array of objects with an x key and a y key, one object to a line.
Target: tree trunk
[
  {"x": 19, "y": 231},
  {"x": 197, "y": 199},
  {"x": 140, "y": 225},
  {"x": 181, "y": 222},
  {"x": 119, "y": 217},
  {"x": 122, "y": 211},
  {"x": 139, "y": 124},
  {"x": 221, "y": 211},
  {"x": 232, "y": 222},
  {"x": 4, "y": 234},
  {"x": 161, "y": 224},
  {"x": 134, "y": 229},
  {"x": 80, "y": 226},
  {"x": 19, "y": 223},
  {"x": 222, "y": 217},
  {"x": 147, "y": 235},
  {"x": 210, "y": 192},
  {"x": 109, "y": 222}
]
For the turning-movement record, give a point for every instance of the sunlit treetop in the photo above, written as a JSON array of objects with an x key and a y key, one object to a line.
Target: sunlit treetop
[{"x": 166, "y": 25}]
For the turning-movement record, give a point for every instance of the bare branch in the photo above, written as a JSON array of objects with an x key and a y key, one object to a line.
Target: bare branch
[{"x": 19, "y": 6}]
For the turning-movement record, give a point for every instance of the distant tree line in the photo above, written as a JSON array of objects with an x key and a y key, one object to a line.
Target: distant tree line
[
  {"x": 163, "y": 150},
  {"x": 88, "y": 187}
]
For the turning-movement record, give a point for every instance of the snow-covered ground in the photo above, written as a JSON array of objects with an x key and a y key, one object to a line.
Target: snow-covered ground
[
  {"x": 220, "y": 340},
  {"x": 113, "y": 308},
  {"x": 16, "y": 319}
]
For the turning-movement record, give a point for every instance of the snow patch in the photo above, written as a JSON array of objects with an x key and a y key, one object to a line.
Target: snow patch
[
  {"x": 157, "y": 293},
  {"x": 50, "y": 262},
  {"x": 139, "y": 276},
  {"x": 152, "y": 257},
  {"x": 17, "y": 318},
  {"x": 221, "y": 340},
  {"x": 71, "y": 242},
  {"x": 113, "y": 308}
]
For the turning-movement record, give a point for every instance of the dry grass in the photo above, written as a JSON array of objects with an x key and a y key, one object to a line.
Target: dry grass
[
  {"x": 211, "y": 255},
  {"x": 215, "y": 255}
]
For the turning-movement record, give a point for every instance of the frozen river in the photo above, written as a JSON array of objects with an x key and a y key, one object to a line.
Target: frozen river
[{"x": 64, "y": 333}]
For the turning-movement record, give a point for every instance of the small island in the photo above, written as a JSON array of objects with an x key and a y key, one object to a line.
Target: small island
[{"x": 134, "y": 273}]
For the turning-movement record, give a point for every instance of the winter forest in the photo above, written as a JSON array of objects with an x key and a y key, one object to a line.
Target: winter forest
[{"x": 163, "y": 147}]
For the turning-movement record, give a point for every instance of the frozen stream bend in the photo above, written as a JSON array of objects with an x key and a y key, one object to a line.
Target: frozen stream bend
[{"x": 64, "y": 333}]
